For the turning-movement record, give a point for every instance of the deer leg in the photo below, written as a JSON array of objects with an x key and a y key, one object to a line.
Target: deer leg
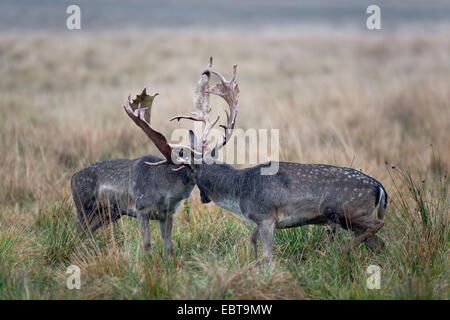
[
  {"x": 97, "y": 220},
  {"x": 329, "y": 233},
  {"x": 266, "y": 231},
  {"x": 374, "y": 242},
  {"x": 254, "y": 240},
  {"x": 144, "y": 226},
  {"x": 103, "y": 215},
  {"x": 332, "y": 228},
  {"x": 370, "y": 225},
  {"x": 166, "y": 233},
  {"x": 95, "y": 224}
]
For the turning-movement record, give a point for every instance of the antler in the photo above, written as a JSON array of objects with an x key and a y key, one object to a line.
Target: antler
[
  {"x": 228, "y": 90},
  {"x": 201, "y": 109},
  {"x": 138, "y": 116}
]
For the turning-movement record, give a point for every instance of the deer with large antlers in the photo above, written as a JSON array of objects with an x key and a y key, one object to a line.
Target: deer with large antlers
[
  {"x": 296, "y": 195},
  {"x": 105, "y": 191}
]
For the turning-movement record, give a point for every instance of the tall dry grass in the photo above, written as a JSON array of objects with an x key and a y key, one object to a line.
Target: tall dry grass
[{"x": 366, "y": 102}]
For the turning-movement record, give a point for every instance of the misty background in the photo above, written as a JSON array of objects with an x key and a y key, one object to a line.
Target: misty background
[{"x": 251, "y": 15}]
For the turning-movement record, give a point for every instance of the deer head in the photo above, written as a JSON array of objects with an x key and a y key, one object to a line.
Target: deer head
[{"x": 199, "y": 148}]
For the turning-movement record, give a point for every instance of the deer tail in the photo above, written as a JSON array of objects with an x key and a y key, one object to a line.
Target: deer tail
[{"x": 382, "y": 203}]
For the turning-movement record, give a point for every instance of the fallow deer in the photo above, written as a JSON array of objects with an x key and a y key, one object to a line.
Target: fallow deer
[
  {"x": 297, "y": 195},
  {"x": 106, "y": 190}
]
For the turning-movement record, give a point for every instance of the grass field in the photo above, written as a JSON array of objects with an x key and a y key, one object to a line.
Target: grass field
[{"x": 379, "y": 104}]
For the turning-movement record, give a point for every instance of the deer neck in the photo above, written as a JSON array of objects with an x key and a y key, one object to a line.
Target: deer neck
[{"x": 220, "y": 183}]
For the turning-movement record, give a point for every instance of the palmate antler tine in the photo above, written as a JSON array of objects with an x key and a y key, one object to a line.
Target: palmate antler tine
[
  {"x": 155, "y": 164},
  {"x": 179, "y": 168},
  {"x": 220, "y": 75},
  {"x": 217, "y": 73},
  {"x": 182, "y": 146},
  {"x": 178, "y": 118},
  {"x": 205, "y": 134},
  {"x": 233, "y": 74}
]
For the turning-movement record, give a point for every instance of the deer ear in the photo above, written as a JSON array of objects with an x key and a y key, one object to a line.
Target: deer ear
[
  {"x": 193, "y": 143},
  {"x": 192, "y": 139},
  {"x": 214, "y": 152}
]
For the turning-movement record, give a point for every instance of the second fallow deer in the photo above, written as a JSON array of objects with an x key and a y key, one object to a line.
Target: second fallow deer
[
  {"x": 105, "y": 191},
  {"x": 298, "y": 194}
]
